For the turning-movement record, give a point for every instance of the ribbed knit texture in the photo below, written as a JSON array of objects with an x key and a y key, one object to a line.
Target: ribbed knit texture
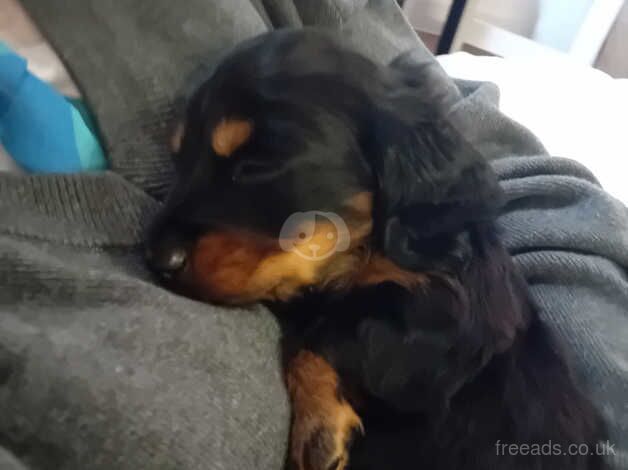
[{"x": 100, "y": 368}]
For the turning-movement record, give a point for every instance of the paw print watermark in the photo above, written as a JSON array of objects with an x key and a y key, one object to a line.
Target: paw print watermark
[{"x": 314, "y": 235}]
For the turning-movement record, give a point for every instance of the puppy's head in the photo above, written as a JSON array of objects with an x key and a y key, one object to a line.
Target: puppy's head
[{"x": 304, "y": 165}]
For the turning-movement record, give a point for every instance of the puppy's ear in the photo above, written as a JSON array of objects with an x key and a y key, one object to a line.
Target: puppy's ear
[{"x": 431, "y": 182}]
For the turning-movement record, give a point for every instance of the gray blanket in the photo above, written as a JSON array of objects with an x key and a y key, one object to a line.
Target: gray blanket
[{"x": 100, "y": 368}]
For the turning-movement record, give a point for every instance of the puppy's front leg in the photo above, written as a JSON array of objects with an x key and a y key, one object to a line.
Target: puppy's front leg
[{"x": 323, "y": 421}]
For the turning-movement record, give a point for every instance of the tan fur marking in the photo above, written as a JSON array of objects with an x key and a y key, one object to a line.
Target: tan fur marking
[
  {"x": 323, "y": 421},
  {"x": 177, "y": 138},
  {"x": 223, "y": 263},
  {"x": 380, "y": 269},
  {"x": 235, "y": 267},
  {"x": 361, "y": 204},
  {"x": 229, "y": 135}
]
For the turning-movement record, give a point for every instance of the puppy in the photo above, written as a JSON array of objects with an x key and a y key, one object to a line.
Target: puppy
[{"x": 335, "y": 190}]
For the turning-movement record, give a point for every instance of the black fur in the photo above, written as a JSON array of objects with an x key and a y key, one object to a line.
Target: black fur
[
  {"x": 447, "y": 374},
  {"x": 442, "y": 374}
]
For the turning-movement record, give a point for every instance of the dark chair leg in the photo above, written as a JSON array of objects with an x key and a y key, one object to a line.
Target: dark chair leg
[{"x": 451, "y": 26}]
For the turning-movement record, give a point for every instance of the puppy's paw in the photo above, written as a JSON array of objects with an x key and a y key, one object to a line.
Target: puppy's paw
[{"x": 321, "y": 438}]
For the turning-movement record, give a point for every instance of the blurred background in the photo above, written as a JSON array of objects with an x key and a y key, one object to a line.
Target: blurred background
[{"x": 590, "y": 31}]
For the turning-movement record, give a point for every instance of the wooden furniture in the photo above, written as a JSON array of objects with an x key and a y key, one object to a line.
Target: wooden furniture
[{"x": 452, "y": 24}]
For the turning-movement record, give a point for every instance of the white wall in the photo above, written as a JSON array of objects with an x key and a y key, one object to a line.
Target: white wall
[{"x": 559, "y": 20}]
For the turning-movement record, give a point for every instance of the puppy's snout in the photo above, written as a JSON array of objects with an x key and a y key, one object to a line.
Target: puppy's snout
[
  {"x": 167, "y": 255},
  {"x": 167, "y": 262}
]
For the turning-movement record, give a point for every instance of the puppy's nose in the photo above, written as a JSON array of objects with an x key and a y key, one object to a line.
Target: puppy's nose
[{"x": 167, "y": 262}]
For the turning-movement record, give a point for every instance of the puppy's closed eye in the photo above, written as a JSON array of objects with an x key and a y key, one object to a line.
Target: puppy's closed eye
[{"x": 249, "y": 171}]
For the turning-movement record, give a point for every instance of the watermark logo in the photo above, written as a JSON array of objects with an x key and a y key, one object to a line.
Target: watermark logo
[
  {"x": 314, "y": 235},
  {"x": 554, "y": 449}
]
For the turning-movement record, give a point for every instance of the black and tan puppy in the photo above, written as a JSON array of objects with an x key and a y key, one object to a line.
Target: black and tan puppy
[{"x": 334, "y": 190}]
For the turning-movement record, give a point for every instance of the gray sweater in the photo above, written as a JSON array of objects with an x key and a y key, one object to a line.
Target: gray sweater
[{"x": 100, "y": 368}]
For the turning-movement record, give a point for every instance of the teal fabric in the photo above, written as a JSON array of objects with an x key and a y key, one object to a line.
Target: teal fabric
[{"x": 39, "y": 128}]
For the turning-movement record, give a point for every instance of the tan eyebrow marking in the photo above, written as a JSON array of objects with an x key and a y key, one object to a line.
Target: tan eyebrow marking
[
  {"x": 177, "y": 137},
  {"x": 229, "y": 135}
]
